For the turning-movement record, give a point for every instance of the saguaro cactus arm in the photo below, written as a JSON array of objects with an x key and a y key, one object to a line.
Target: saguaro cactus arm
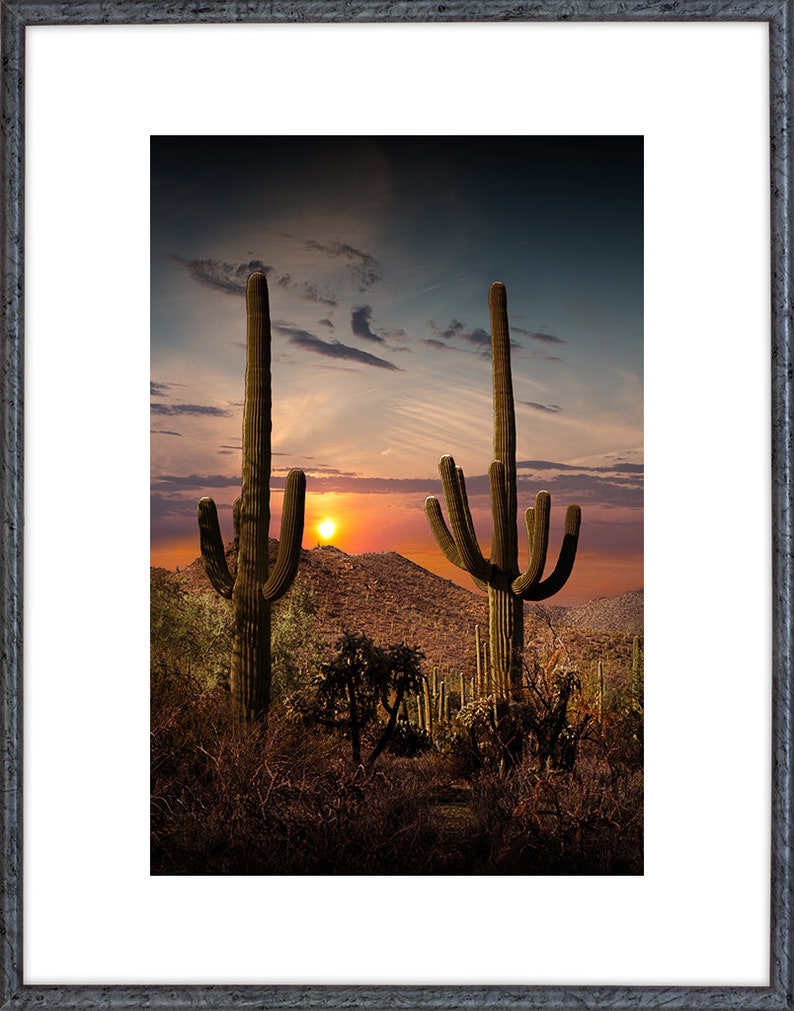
[
  {"x": 289, "y": 545},
  {"x": 212, "y": 548},
  {"x": 444, "y": 538},
  {"x": 555, "y": 582},
  {"x": 454, "y": 485},
  {"x": 500, "y": 514},
  {"x": 537, "y": 523},
  {"x": 442, "y": 535}
]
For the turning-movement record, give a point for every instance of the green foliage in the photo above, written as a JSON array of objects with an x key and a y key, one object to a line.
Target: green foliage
[
  {"x": 297, "y": 648},
  {"x": 190, "y": 633}
]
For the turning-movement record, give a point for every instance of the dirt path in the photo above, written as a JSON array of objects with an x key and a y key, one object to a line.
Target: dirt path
[{"x": 452, "y": 816}]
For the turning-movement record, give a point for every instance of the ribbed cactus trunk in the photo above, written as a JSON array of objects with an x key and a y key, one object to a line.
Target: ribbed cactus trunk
[
  {"x": 254, "y": 588},
  {"x": 506, "y": 627},
  {"x": 506, "y": 585},
  {"x": 505, "y": 609},
  {"x": 251, "y": 673}
]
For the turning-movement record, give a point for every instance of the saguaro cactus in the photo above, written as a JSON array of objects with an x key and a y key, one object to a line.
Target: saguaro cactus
[
  {"x": 506, "y": 585},
  {"x": 253, "y": 588}
]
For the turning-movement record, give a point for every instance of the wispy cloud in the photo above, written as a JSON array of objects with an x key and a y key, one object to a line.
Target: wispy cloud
[
  {"x": 364, "y": 268},
  {"x": 607, "y": 490},
  {"x": 359, "y": 324},
  {"x": 548, "y": 408},
  {"x": 537, "y": 335},
  {"x": 195, "y": 410},
  {"x": 163, "y": 431},
  {"x": 331, "y": 349},
  {"x": 438, "y": 345},
  {"x": 161, "y": 389},
  {"x": 476, "y": 336},
  {"x": 311, "y": 293},
  {"x": 618, "y": 468},
  {"x": 230, "y": 278},
  {"x": 193, "y": 482}
]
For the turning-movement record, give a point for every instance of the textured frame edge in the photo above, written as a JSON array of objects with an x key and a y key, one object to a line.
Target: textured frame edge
[{"x": 15, "y": 16}]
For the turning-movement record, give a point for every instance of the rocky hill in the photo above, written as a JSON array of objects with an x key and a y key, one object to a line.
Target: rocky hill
[
  {"x": 623, "y": 613},
  {"x": 391, "y": 599}
]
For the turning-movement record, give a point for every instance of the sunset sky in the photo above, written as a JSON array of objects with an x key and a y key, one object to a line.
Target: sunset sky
[{"x": 379, "y": 254}]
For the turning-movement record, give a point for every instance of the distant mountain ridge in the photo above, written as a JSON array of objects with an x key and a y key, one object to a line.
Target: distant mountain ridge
[{"x": 393, "y": 599}]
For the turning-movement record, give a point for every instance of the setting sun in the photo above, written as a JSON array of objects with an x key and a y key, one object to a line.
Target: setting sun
[{"x": 326, "y": 529}]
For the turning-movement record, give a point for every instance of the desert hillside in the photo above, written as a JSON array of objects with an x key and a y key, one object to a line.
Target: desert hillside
[{"x": 391, "y": 598}]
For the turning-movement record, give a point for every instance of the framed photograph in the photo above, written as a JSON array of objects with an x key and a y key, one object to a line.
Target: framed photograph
[{"x": 120, "y": 126}]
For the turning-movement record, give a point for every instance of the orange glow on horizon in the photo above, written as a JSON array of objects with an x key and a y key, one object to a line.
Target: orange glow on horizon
[
  {"x": 376, "y": 523},
  {"x": 177, "y": 553}
]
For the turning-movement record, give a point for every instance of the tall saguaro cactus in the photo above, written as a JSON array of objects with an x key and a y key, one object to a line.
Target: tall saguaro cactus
[
  {"x": 506, "y": 585},
  {"x": 253, "y": 588}
]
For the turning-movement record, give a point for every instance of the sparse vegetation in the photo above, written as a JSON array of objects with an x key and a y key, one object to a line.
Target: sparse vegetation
[{"x": 490, "y": 789}]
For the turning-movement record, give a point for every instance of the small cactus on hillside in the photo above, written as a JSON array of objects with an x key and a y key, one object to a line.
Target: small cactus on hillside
[{"x": 254, "y": 588}]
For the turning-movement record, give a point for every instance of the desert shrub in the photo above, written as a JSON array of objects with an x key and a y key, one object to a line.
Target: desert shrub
[
  {"x": 409, "y": 739},
  {"x": 189, "y": 632},
  {"x": 544, "y": 724},
  {"x": 281, "y": 799},
  {"x": 588, "y": 820},
  {"x": 297, "y": 648}
]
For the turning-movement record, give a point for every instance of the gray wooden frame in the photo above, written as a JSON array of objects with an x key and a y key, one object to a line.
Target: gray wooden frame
[{"x": 16, "y": 16}]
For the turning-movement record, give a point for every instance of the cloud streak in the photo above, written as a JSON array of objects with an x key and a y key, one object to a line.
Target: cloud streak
[
  {"x": 618, "y": 468},
  {"x": 161, "y": 389},
  {"x": 331, "y": 349},
  {"x": 583, "y": 485},
  {"x": 548, "y": 408},
  {"x": 193, "y": 410},
  {"x": 537, "y": 335}
]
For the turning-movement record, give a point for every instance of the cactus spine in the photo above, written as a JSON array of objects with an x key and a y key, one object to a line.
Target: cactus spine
[
  {"x": 254, "y": 588},
  {"x": 506, "y": 585}
]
